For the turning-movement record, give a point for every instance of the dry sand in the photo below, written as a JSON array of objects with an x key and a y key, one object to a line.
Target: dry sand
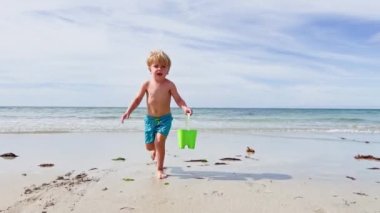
[{"x": 291, "y": 173}]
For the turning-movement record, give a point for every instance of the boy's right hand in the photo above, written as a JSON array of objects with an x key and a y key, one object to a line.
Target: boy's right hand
[{"x": 123, "y": 117}]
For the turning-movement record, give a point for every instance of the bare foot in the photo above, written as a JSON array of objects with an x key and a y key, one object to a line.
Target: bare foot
[
  {"x": 153, "y": 154},
  {"x": 161, "y": 174}
]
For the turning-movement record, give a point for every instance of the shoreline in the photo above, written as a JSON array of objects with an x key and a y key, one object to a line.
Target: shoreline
[{"x": 293, "y": 173}]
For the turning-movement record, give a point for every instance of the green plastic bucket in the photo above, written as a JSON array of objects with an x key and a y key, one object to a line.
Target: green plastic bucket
[{"x": 186, "y": 137}]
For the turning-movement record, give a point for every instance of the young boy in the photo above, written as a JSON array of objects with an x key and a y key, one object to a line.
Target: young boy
[{"x": 158, "y": 91}]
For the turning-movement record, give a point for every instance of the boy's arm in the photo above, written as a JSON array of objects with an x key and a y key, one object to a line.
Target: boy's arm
[
  {"x": 136, "y": 101},
  {"x": 180, "y": 102}
]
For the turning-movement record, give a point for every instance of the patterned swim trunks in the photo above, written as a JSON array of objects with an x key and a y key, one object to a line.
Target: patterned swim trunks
[{"x": 154, "y": 125}]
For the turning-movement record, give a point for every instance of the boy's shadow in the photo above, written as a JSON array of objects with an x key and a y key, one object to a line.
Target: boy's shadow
[{"x": 216, "y": 175}]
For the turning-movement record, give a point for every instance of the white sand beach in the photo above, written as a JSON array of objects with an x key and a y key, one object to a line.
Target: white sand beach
[{"x": 287, "y": 173}]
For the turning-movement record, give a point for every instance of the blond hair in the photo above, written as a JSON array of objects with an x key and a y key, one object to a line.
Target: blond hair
[{"x": 158, "y": 56}]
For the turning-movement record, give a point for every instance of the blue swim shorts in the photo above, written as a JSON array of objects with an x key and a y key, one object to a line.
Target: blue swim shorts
[{"x": 154, "y": 125}]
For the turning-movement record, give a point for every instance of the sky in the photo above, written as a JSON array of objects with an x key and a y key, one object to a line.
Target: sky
[{"x": 242, "y": 53}]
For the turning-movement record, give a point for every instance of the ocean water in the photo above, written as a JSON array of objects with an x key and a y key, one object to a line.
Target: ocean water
[{"x": 254, "y": 120}]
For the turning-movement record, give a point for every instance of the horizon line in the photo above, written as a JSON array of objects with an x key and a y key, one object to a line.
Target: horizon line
[{"x": 204, "y": 107}]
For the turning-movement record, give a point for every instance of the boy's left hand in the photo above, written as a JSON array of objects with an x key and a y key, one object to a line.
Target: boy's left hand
[{"x": 188, "y": 111}]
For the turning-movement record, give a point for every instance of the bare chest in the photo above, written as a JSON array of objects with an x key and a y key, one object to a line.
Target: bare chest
[{"x": 158, "y": 92}]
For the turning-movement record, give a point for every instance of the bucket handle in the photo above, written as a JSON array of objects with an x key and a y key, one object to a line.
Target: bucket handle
[{"x": 187, "y": 121}]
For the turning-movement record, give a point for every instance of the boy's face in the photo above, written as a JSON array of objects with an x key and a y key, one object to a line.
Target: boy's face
[{"x": 159, "y": 71}]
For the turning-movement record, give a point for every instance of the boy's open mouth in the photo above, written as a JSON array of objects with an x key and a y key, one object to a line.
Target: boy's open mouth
[{"x": 159, "y": 74}]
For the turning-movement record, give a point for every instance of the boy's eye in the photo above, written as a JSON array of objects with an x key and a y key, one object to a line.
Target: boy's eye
[{"x": 159, "y": 66}]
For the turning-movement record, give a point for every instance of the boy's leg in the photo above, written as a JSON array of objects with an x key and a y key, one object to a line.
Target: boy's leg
[
  {"x": 160, "y": 154},
  {"x": 150, "y": 126},
  {"x": 152, "y": 149}
]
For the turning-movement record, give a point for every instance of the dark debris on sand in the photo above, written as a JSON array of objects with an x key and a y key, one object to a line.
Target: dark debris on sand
[
  {"x": 9, "y": 155},
  {"x": 230, "y": 159},
  {"x": 46, "y": 165},
  {"x": 250, "y": 150},
  {"x": 119, "y": 159},
  {"x": 354, "y": 140},
  {"x": 127, "y": 208},
  {"x": 361, "y": 194},
  {"x": 366, "y": 157},
  {"x": 197, "y": 160},
  {"x": 45, "y": 194},
  {"x": 61, "y": 181},
  {"x": 374, "y": 168},
  {"x": 220, "y": 163}
]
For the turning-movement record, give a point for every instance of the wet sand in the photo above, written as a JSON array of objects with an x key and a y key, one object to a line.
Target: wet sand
[{"x": 287, "y": 173}]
